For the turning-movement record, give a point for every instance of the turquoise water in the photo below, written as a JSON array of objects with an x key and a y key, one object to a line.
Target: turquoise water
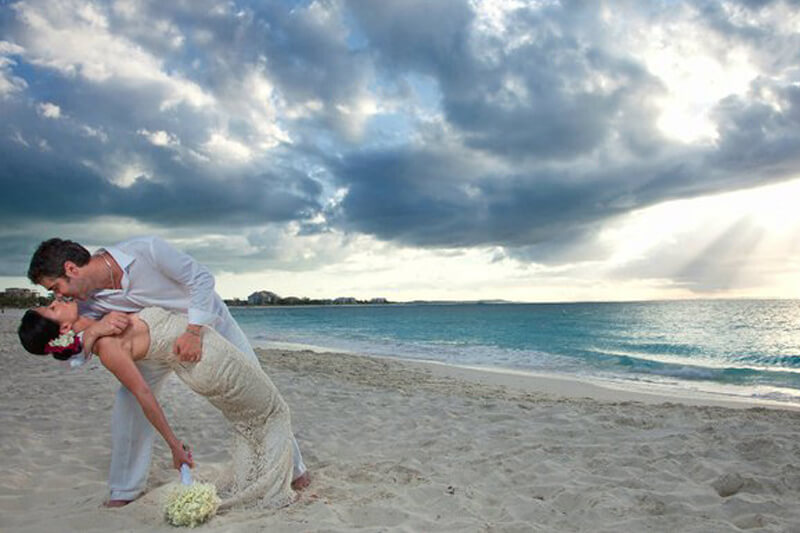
[{"x": 739, "y": 347}]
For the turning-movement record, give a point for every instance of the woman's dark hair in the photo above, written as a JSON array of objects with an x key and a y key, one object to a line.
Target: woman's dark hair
[
  {"x": 36, "y": 331},
  {"x": 49, "y": 258}
]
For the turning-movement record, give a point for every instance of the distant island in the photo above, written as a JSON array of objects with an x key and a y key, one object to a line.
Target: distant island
[
  {"x": 261, "y": 298},
  {"x": 267, "y": 298}
]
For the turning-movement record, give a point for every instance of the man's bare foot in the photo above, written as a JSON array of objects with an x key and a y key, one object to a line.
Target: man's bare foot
[
  {"x": 301, "y": 482},
  {"x": 116, "y": 503}
]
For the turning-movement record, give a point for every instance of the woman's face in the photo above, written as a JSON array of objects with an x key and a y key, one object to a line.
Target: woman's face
[{"x": 65, "y": 313}]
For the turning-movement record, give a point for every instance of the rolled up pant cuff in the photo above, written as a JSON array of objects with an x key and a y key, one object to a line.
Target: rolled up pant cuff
[
  {"x": 128, "y": 495},
  {"x": 298, "y": 471}
]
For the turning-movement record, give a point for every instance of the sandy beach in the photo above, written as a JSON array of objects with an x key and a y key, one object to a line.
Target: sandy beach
[{"x": 397, "y": 446}]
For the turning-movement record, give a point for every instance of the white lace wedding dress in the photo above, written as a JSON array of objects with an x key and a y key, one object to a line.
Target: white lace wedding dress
[{"x": 239, "y": 388}]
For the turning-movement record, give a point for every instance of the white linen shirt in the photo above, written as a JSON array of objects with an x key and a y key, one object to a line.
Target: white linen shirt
[{"x": 154, "y": 274}]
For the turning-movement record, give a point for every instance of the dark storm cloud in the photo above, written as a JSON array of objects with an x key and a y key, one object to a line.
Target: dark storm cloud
[
  {"x": 581, "y": 153},
  {"x": 56, "y": 181},
  {"x": 16, "y": 251},
  {"x": 439, "y": 199},
  {"x": 756, "y": 136},
  {"x": 543, "y": 126},
  {"x": 302, "y": 47},
  {"x": 64, "y": 167},
  {"x": 532, "y": 100},
  {"x": 546, "y": 121}
]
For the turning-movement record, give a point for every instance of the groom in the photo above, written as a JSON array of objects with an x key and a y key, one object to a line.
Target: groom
[{"x": 134, "y": 274}]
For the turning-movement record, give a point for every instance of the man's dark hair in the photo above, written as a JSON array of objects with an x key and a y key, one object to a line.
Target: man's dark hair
[
  {"x": 48, "y": 260},
  {"x": 36, "y": 331}
]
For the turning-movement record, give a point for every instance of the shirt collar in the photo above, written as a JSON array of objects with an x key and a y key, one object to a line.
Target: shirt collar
[{"x": 123, "y": 260}]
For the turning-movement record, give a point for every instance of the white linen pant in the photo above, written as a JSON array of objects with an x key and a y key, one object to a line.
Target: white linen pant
[{"x": 132, "y": 437}]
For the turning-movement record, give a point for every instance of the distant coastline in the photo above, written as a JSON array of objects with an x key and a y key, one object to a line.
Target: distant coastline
[
  {"x": 269, "y": 299},
  {"x": 22, "y": 298},
  {"x": 25, "y": 298}
]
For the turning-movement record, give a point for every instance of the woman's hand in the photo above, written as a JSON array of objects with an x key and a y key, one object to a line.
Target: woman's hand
[{"x": 181, "y": 453}]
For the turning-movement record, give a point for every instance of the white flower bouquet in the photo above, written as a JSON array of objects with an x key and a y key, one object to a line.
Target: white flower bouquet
[{"x": 191, "y": 504}]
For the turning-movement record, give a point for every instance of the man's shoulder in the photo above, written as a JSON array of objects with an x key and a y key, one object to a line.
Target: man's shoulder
[
  {"x": 90, "y": 308},
  {"x": 141, "y": 243},
  {"x": 138, "y": 239}
]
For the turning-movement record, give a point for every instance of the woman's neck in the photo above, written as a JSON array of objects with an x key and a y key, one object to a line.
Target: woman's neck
[{"x": 82, "y": 323}]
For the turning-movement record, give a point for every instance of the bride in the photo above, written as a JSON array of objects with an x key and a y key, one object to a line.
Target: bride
[{"x": 262, "y": 452}]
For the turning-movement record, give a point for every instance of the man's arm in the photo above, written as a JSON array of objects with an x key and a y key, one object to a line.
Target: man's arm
[{"x": 183, "y": 268}]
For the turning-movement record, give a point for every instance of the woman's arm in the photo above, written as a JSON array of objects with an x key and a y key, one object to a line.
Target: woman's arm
[{"x": 116, "y": 354}]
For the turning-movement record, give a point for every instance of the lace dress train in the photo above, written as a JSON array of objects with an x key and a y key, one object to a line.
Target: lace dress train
[{"x": 239, "y": 388}]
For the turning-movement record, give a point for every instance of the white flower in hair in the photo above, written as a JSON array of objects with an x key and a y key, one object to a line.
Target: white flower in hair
[
  {"x": 63, "y": 341},
  {"x": 68, "y": 342}
]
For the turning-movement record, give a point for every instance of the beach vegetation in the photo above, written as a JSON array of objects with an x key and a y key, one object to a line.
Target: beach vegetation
[{"x": 23, "y": 298}]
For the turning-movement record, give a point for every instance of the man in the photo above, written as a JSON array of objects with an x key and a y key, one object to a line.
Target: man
[{"x": 138, "y": 273}]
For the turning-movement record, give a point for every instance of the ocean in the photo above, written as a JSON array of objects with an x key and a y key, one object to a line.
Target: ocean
[{"x": 741, "y": 348}]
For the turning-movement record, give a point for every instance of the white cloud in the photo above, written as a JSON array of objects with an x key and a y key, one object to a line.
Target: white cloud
[
  {"x": 74, "y": 38},
  {"x": 49, "y": 110},
  {"x": 306, "y": 109},
  {"x": 159, "y": 138},
  {"x": 352, "y": 117},
  {"x": 224, "y": 149},
  {"x": 360, "y": 266},
  {"x": 696, "y": 66},
  {"x": 7, "y": 48},
  {"x": 18, "y": 138},
  {"x": 128, "y": 9},
  {"x": 9, "y": 83},
  {"x": 256, "y": 100},
  {"x": 128, "y": 173},
  {"x": 94, "y": 132}
]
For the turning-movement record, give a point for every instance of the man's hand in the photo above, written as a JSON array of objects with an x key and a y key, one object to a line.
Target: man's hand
[
  {"x": 113, "y": 323},
  {"x": 189, "y": 346}
]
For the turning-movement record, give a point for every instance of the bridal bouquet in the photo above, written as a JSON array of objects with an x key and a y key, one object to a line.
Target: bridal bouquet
[{"x": 191, "y": 504}]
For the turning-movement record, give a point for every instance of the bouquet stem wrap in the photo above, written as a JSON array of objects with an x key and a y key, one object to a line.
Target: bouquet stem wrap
[{"x": 186, "y": 475}]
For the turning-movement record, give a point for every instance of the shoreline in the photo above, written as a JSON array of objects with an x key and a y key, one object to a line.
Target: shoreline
[
  {"x": 560, "y": 385},
  {"x": 596, "y": 389}
]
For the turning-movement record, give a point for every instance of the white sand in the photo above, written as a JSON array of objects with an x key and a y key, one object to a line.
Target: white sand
[{"x": 396, "y": 446}]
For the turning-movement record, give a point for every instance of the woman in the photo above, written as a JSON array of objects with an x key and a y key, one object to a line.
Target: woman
[{"x": 262, "y": 453}]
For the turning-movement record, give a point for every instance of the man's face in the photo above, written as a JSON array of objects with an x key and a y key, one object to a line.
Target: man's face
[
  {"x": 60, "y": 287},
  {"x": 71, "y": 285}
]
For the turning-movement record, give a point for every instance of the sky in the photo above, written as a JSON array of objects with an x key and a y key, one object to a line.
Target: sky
[{"x": 410, "y": 149}]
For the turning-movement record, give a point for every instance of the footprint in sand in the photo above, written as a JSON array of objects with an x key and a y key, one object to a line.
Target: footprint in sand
[{"x": 728, "y": 485}]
